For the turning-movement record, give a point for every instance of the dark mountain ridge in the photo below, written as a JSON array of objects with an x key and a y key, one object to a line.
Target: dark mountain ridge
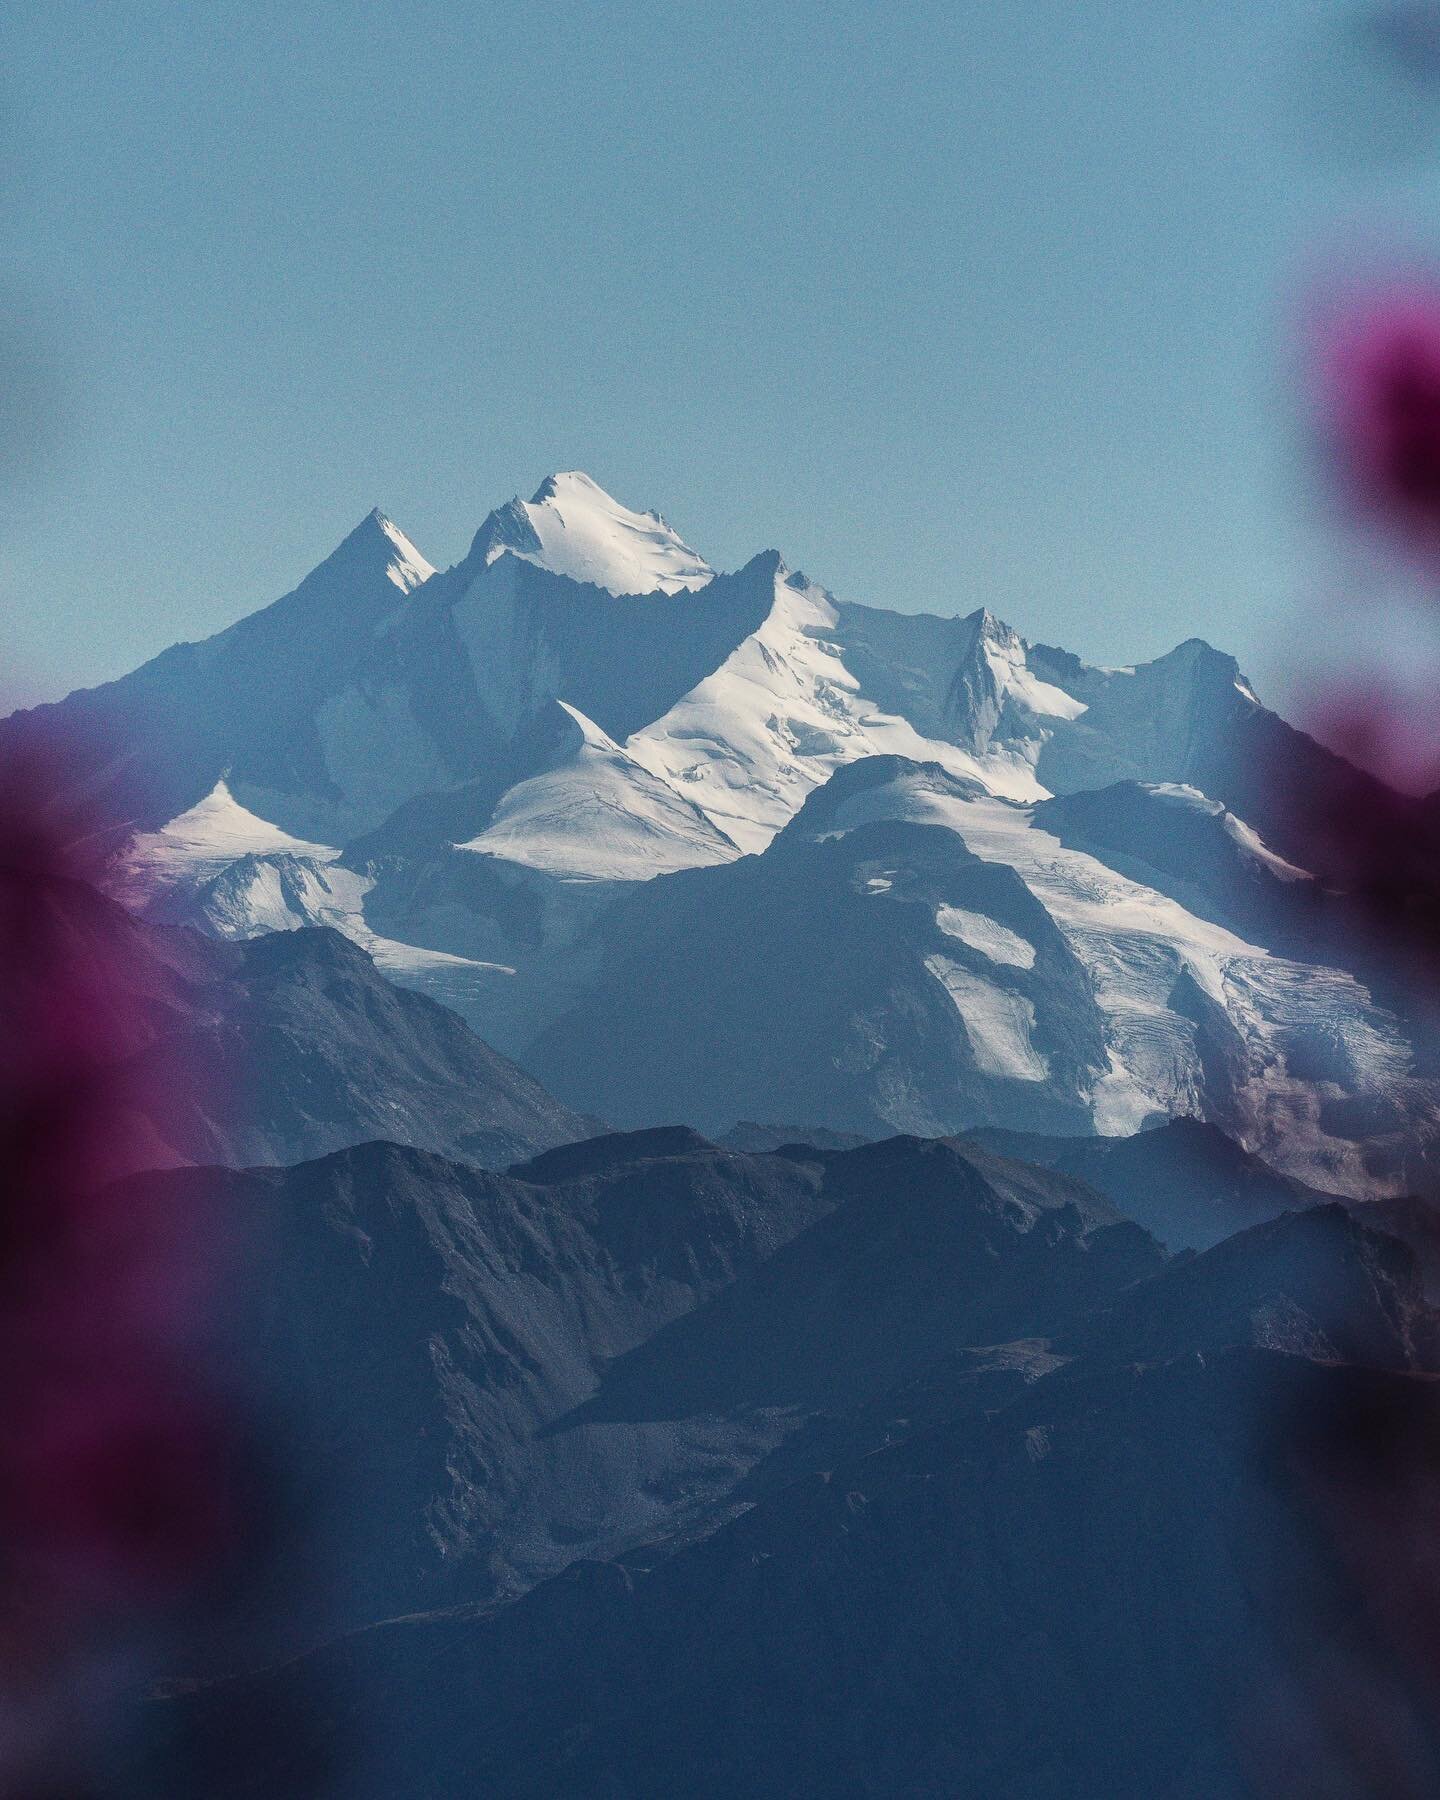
[
  {"x": 1018, "y": 1572},
  {"x": 288, "y": 1045}
]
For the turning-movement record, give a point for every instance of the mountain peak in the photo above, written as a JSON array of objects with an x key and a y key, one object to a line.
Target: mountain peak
[
  {"x": 768, "y": 565},
  {"x": 1199, "y": 663},
  {"x": 1196, "y": 650},
  {"x": 574, "y": 528},
  {"x": 995, "y": 691},
  {"x": 991, "y": 629},
  {"x": 379, "y": 536},
  {"x": 575, "y": 486}
]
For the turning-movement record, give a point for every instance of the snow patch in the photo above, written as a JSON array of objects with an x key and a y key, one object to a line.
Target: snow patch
[
  {"x": 1013, "y": 677},
  {"x": 988, "y": 936},
  {"x": 998, "y": 1023},
  {"x": 1136, "y": 945},
  {"x": 1251, "y": 842},
  {"x": 407, "y": 568},
  {"x": 238, "y": 876}
]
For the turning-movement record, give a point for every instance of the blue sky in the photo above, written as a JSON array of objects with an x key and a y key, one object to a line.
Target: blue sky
[{"x": 953, "y": 304}]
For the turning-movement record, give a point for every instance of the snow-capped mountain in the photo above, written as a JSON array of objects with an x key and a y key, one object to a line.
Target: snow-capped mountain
[
  {"x": 784, "y": 711},
  {"x": 713, "y": 845},
  {"x": 574, "y": 528},
  {"x": 916, "y": 953}
]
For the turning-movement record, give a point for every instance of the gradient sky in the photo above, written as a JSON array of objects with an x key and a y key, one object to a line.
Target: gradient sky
[{"x": 953, "y": 304}]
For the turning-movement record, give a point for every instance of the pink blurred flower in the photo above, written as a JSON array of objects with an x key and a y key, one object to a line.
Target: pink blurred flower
[
  {"x": 115, "y": 1458},
  {"x": 1378, "y": 376}
]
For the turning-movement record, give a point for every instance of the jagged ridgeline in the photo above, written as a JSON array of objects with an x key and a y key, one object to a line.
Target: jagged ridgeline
[
  {"x": 651, "y": 1468},
  {"x": 719, "y": 846},
  {"x": 992, "y": 1386}
]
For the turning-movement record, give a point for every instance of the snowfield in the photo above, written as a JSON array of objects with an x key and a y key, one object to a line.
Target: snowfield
[{"x": 575, "y": 528}]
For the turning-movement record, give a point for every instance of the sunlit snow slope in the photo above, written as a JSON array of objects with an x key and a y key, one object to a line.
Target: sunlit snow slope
[
  {"x": 476, "y": 773},
  {"x": 573, "y": 527}
]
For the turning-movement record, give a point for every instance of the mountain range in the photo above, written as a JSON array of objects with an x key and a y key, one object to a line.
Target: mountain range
[
  {"x": 651, "y": 1468},
  {"x": 805, "y": 1200},
  {"x": 701, "y": 846}
]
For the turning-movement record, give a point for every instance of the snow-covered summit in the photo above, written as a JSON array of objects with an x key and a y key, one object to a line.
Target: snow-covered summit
[
  {"x": 595, "y": 814},
  {"x": 404, "y": 565},
  {"x": 995, "y": 693},
  {"x": 207, "y": 838},
  {"x": 573, "y": 527},
  {"x": 374, "y": 550},
  {"x": 483, "y": 774}
]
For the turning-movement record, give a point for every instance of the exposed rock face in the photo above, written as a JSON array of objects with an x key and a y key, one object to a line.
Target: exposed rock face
[
  {"x": 1132, "y": 1562},
  {"x": 288, "y": 1045},
  {"x": 508, "y": 1371},
  {"x": 827, "y": 979}
]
